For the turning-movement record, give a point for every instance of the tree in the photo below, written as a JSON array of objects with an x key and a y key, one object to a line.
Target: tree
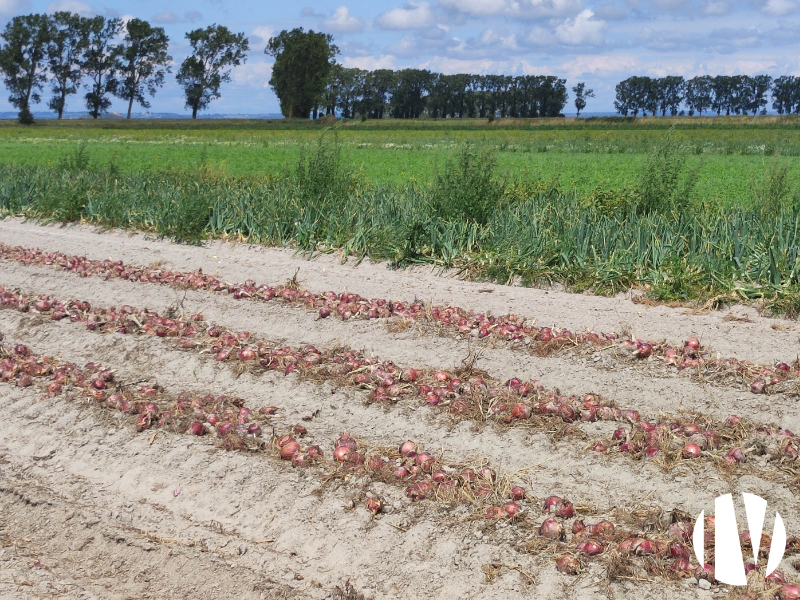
[
  {"x": 699, "y": 94},
  {"x": 672, "y": 90},
  {"x": 100, "y": 63},
  {"x": 142, "y": 62},
  {"x": 69, "y": 39},
  {"x": 581, "y": 95},
  {"x": 23, "y": 60},
  {"x": 214, "y": 49},
  {"x": 303, "y": 62}
]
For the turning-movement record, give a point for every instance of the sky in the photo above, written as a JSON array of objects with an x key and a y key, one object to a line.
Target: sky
[{"x": 600, "y": 42}]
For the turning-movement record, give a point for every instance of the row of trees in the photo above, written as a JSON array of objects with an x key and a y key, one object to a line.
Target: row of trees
[
  {"x": 130, "y": 60},
  {"x": 109, "y": 58},
  {"x": 728, "y": 94},
  {"x": 308, "y": 81},
  {"x": 412, "y": 93}
]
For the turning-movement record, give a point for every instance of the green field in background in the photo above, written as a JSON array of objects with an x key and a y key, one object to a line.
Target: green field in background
[{"x": 731, "y": 155}]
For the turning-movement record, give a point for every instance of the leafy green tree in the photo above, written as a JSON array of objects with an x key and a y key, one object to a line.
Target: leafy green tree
[
  {"x": 100, "y": 63},
  {"x": 142, "y": 62},
  {"x": 215, "y": 50},
  {"x": 303, "y": 63},
  {"x": 69, "y": 40},
  {"x": 699, "y": 94},
  {"x": 581, "y": 94},
  {"x": 671, "y": 92},
  {"x": 23, "y": 60}
]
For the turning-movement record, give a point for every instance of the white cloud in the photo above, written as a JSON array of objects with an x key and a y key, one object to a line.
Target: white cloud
[
  {"x": 253, "y": 73},
  {"x": 521, "y": 9},
  {"x": 452, "y": 66},
  {"x": 261, "y": 34},
  {"x": 598, "y": 64},
  {"x": 73, "y": 6},
  {"x": 779, "y": 8},
  {"x": 717, "y": 8},
  {"x": 166, "y": 17},
  {"x": 14, "y": 7},
  {"x": 411, "y": 16},
  {"x": 369, "y": 63},
  {"x": 343, "y": 22},
  {"x": 583, "y": 29}
]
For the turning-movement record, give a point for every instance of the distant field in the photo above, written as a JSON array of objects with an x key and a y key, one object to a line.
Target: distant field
[{"x": 729, "y": 154}]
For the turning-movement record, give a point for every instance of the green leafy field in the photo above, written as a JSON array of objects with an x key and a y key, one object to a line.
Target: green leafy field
[
  {"x": 700, "y": 211},
  {"x": 729, "y": 155}
]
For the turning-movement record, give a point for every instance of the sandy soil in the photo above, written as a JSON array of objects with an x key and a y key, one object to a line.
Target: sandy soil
[{"x": 88, "y": 506}]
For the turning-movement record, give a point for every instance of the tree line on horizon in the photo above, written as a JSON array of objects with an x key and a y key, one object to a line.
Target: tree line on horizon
[
  {"x": 109, "y": 57},
  {"x": 721, "y": 94}
]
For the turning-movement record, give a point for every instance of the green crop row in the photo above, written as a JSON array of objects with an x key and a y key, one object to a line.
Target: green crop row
[{"x": 657, "y": 234}]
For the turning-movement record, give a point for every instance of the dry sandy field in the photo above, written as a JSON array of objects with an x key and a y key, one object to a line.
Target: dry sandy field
[{"x": 227, "y": 421}]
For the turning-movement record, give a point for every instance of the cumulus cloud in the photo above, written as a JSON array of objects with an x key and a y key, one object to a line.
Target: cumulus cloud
[
  {"x": 261, "y": 34},
  {"x": 583, "y": 29},
  {"x": 520, "y": 9},
  {"x": 369, "y": 63},
  {"x": 343, "y": 22},
  {"x": 14, "y": 7},
  {"x": 167, "y": 17},
  {"x": 779, "y": 8},
  {"x": 73, "y": 6},
  {"x": 413, "y": 15},
  {"x": 717, "y": 8},
  {"x": 598, "y": 64},
  {"x": 253, "y": 74}
]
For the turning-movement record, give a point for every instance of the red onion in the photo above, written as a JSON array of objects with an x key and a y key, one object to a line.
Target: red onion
[
  {"x": 517, "y": 493},
  {"x": 682, "y": 564},
  {"x": 598, "y": 447},
  {"x": 678, "y": 550},
  {"x": 374, "y": 505},
  {"x": 691, "y": 451},
  {"x": 735, "y": 455},
  {"x": 775, "y": 577},
  {"x": 603, "y": 528},
  {"x": 552, "y": 528},
  {"x": 407, "y": 447},
  {"x": 488, "y": 474},
  {"x": 54, "y": 388},
  {"x": 401, "y": 473},
  {"x": 341, "y": 453},
  {"x": 733, "y": 420},
  {"x": 620, "y": 434},
  {"x": 195, "y": 428},
  {"x": 692, "y": 343},
  {"x": 782, "y": 366},
  {"x": 346, "y": 441},
  {"x": 324, "y": 313},
  {"x": 495, "y": 512},
  {"x": 439, "y": 476},
  {"x": 289, "y": 450},
  {"x": 254, "y": 429},
  {"x": 567, "y": 563},
  {"x": 419, "y": 490},
  {"x": 409, "y": 375},
  {"x": 225, "y": 428},
  {"x": 511, "y": 508},
  {"x": 789, "y": 592},
  {"x": 680, "y": 530},
  {"x": 314, "y": 452},
  {"x": 644, "y": 351},
  {"x": 282, "y": 441},
  {"x": 578, "y": 525},
  {"x": 298, "y": 459},
  {"x": 590, "y": 547},
  {"x": 247, "y": 354},
  {"x": 521, "y": 411},
  {"x": 651, "y": 452},
  {"x": 758, "y": 386}
]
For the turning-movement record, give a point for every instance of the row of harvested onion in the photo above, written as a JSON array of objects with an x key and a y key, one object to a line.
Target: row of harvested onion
[
  {"x": 227, "y": 419},
  {"x": 515, "y": 402},
  {"x": 690, "y": 355}
]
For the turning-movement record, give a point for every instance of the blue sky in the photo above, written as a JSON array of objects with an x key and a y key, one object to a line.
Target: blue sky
[{"x": 597, "y": 41}]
